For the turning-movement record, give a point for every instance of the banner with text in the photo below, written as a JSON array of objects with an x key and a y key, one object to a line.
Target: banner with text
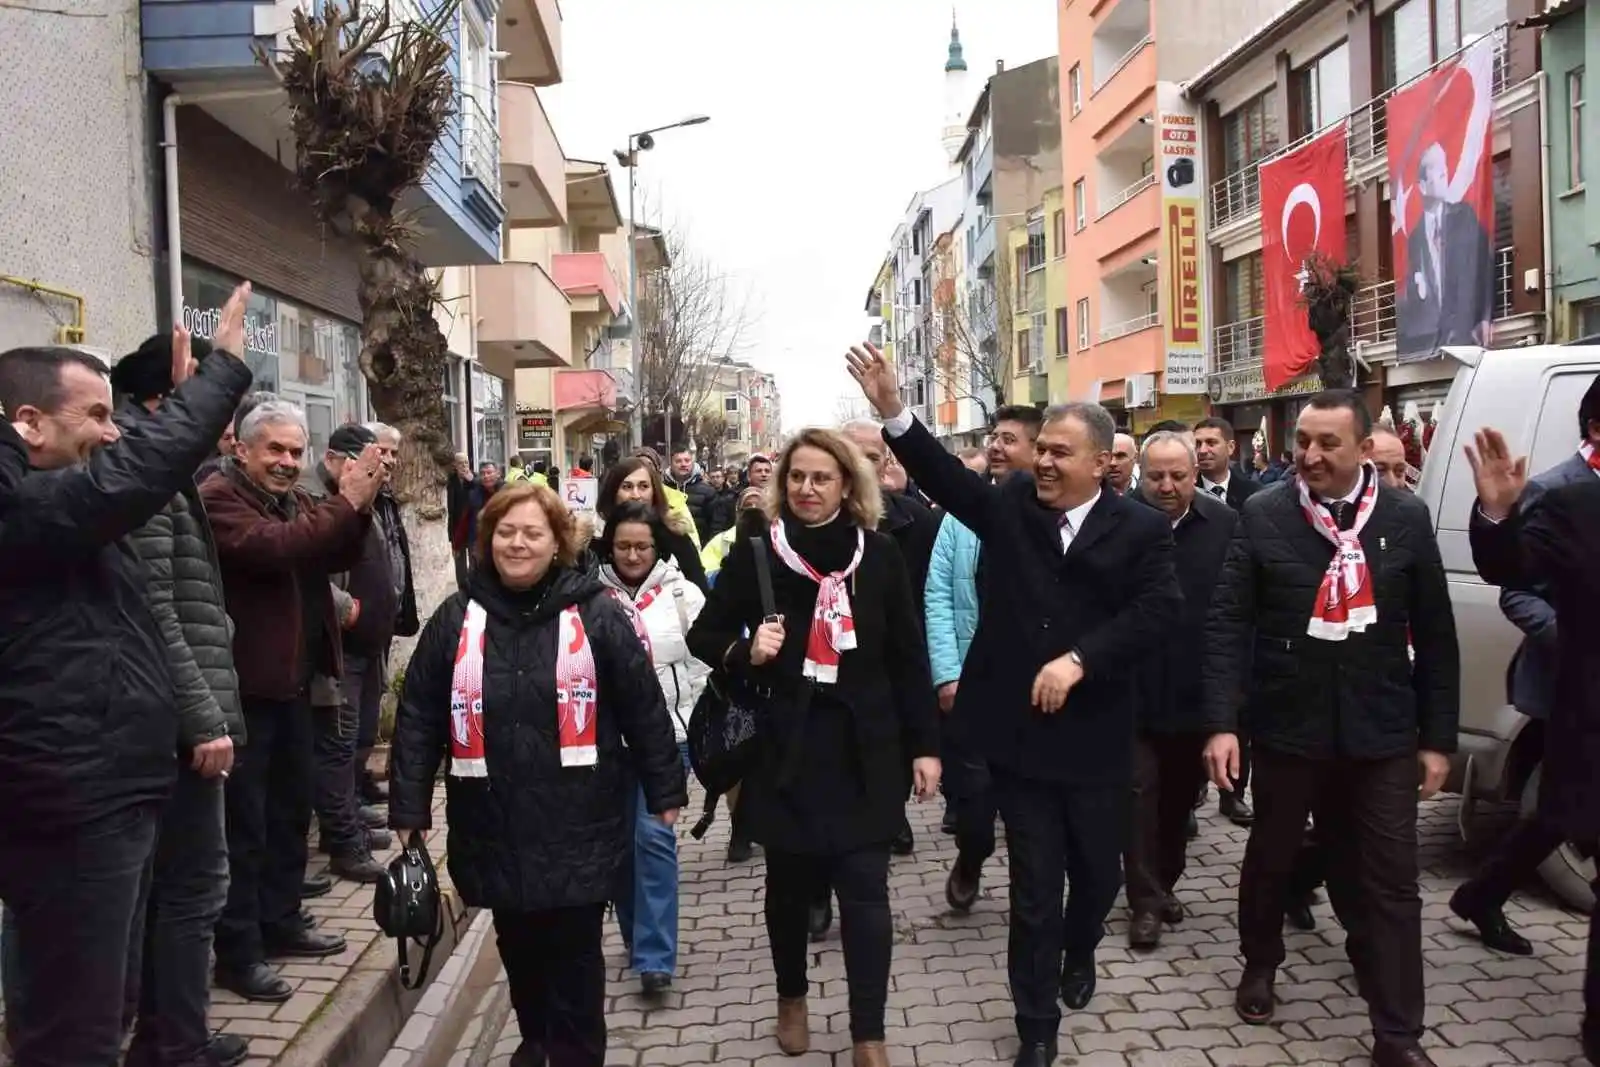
[{"x": 1181, "y": 258}]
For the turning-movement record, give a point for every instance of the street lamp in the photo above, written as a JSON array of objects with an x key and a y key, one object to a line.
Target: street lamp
[{"x": 640, "y": 142}]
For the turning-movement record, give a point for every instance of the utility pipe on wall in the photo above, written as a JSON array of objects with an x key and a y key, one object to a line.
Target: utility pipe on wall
[{"x": 1546, "y": 282}]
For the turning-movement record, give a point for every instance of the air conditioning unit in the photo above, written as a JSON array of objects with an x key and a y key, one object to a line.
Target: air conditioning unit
[{"x": 1140, "y": 391}]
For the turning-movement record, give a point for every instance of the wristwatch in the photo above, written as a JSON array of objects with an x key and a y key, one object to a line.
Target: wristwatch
[{"x": 1076, "y": 658}]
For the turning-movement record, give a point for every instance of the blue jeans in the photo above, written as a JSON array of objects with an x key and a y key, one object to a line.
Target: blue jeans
[{"x": 647, "y": 897}]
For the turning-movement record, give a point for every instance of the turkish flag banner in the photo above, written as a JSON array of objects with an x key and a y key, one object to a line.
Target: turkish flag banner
[
  {"x": 1441, "y": 204},
  {"x": 1302, "y": 211}
]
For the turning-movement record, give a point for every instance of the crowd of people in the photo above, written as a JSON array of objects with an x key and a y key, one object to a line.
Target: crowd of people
[{"x": 198, "y": 615}]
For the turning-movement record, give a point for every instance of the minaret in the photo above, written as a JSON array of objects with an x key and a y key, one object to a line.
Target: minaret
[{"x": 957, "y": 101}]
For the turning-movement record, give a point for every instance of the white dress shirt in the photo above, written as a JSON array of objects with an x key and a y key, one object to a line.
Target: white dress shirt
[{"x": 1216, "y": 489}]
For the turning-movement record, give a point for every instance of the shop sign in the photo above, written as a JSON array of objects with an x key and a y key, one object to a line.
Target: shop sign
[
  {"x": 536, "y": 429},
  {"x": 1241, "y": 386},
  {"x": 1182, "y": 260}
]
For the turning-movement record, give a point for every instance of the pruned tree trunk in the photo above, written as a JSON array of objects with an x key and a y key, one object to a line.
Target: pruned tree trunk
[{"x": 1329, "y": 298}]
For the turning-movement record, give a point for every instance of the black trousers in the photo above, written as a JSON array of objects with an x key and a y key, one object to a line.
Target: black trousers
[
  {"x": 1515, "y": 860},
  {"x": 364, "y": 678},
  {"x": 1057, "y": 833},
  {"x": 73, "y": 897},
  {"x": 975, "y": 808},
  {"x": 1366, "y": 815},
  {"x": 269, "y": 800},
  {"x": 861, "y": 881},
  {"x": 171, "y": 954},
  {"x": 556, "y": 971},
  {"x": 334, "y": 782},
  {"x": 1166, "y": 773}
]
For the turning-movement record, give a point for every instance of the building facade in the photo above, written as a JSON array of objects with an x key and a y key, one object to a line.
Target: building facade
[
  {"x": 1311, "y": 66},
  {"x": 1115, "y": 56},
  {"x": 1571, "y": 43}
]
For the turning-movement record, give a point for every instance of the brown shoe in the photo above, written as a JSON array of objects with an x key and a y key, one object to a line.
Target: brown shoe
[
  {"x": 794, "y": 1026},
  {"x": 1144, "y": 930},
  {"x": 869, "y": 1054},
  {"x": 1253, "y": 1000}
]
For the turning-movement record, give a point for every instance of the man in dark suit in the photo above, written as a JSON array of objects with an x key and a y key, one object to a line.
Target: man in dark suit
[
  {"x": 1557, "y": 542},
  {"x": 1448, "y": 296},
  {"x": 1216, "y": 449},
  {"x": 1326, "y": 577},
  {"x": 1167, "y": 767},
  {"x": 1532, "y": 677},
  {"x": 1046, "y": 690}
]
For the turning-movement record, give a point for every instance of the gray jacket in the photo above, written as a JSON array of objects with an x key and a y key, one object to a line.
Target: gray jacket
[
  {"x": 1531, "y": 676},
  {"x": 325, "y": 690},
  {"x": 186, "y": 600}
]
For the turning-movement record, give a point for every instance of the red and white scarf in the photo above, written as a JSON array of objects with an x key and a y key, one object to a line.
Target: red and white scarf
[
  {"x": 1590, "y": 455},
  {"x": 576, "y": 689},
  {"x": 833, "y": 625},
  {"x": 1345, "y": 603}
]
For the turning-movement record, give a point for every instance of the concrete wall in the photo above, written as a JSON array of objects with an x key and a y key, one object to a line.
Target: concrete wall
[
  {"x": 75, "y": 174},
  {"x": 1574, "y": 214}
]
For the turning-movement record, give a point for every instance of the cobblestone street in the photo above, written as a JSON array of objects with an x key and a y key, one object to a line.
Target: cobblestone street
[{"x": 948, "y": 1001}]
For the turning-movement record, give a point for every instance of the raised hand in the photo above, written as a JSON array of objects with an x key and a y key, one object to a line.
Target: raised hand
[
  {"x": 1499, "y": 477},
  {"x": 182, "y": 356},
  {"x": 361, "y": 478},
  {"x": 229, "y": 336},
  {"x": 877, "y": 379}
]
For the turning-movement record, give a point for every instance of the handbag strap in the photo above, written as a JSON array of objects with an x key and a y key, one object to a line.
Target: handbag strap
[{"x": 764, "y": 575}]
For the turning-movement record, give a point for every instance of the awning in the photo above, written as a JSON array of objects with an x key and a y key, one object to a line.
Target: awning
[{"x": 596, "y": 422}]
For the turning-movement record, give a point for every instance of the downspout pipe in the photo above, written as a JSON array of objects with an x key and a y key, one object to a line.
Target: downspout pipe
[{"x": 1546, "y": 281}]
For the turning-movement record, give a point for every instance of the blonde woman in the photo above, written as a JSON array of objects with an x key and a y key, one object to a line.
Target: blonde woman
[{"x": 851, "y": 720}]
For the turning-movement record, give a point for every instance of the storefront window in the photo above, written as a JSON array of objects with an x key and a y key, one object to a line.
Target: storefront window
[
  {"x": 204, "y": 293},
  {"x": 488, "y": 417}
]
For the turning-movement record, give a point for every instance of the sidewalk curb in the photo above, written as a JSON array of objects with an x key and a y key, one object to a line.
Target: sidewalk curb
[
  {"x": 452, "y": 1003},
  {"x": 368, "y": 1012}
]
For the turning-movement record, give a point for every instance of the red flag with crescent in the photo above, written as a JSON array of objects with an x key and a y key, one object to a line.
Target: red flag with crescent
[{"x": 1302, "y": 211}]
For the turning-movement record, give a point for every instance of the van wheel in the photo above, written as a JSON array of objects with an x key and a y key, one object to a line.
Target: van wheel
[{"x": 1568, "y": 875}]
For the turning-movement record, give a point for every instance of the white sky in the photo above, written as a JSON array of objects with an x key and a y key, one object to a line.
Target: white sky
[{"x": 825, "y": 120}]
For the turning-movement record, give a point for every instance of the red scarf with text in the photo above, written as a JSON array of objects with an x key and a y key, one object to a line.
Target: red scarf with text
[
  {"x": 1345, "y": 603},
  {"x": 833, "y": 625}
]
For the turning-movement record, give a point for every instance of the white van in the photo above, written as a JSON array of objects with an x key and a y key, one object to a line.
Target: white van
[{"x": 1530, "y": 394}]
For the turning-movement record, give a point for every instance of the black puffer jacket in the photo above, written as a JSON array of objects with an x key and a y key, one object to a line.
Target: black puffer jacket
[
  {"x": 87, "y": 723},
  {"x": 533, "y": 835},
  {"x": 1361, "y": 697},
  {"x": 185, "y": 596},
  {"x": 700, "y": 495}
]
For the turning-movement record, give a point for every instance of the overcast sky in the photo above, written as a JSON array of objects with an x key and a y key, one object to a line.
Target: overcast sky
[{"x": 825, "y": 120}]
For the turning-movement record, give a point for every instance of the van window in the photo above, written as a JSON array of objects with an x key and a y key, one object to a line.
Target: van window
[{"x": 1557, "y": 435}]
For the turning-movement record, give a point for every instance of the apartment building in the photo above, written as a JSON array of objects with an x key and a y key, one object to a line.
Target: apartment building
[
  {"x": 1120, "y": 64},
  {"x": 745, "y": 399},
  {"x": 1313, "y": 66},
  {"x": 1571, "y": 42}
]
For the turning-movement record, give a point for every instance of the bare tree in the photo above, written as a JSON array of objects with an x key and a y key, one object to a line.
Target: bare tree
[
  {"x": 972, "y": 343},
  {"x": 369, "y": 97},
  {"x": 691, "y": 322},
  {"x": 1328, "y": 295}
]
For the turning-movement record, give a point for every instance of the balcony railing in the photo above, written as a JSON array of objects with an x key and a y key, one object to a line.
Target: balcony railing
[
  {"x": 1125, "y": 195},
  {"x": 1237, "y": 345},
  {"x": 1372, "y": 314},
  {"x": 1503, "y": 283},
  {"x": 1122, "y": 61},
  {"x": 482, "y": 157},
  {"x": 1366, "y": 137},
  {"x": 1123, "y": 329}
]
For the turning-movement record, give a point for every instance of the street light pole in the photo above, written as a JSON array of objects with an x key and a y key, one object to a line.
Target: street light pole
[{"x": 640, "y": 142}]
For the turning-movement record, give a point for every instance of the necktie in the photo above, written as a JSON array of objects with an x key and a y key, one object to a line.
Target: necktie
[
  {"x": 1340, "y": 510},
  {"x": 1065, "y": 525},
  {"x": 1219, "y": 492}
]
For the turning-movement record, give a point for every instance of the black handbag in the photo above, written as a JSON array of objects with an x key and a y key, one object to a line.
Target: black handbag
[
  {"x": 409, "y": 907},
  {"x": 726, "y": 732}
]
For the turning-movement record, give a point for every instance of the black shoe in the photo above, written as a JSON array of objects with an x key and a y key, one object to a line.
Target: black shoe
[
  {"x": 306, "y": 944},
  {"x": 1191, "y": 829},
  {"x": 1253, "y": 999},
  {"x": 903, "y": 844},
  {"x": 315, "y": 885},
  {"x": 1497, "y": 933},
  {"x": 1144, "y": 930},
  {"x": 947, "y": 825},
  {"x": 372, "y": 818},
  {"x": 1590, "y": 1035},
  {"x": 654, "y": 983},
  {"x": 1233, "y": 807},
  {"x": 740, "y": 850},
  {"x": 528, "y": 1056},
  {"x": 363, "y": 869},
  {"x": 1173, "y": 911},
  {"x": 379, "y": 840},
  {"x": 1035, "y": 1054},
  {"x": 227, "y": 1050},
  {"x": 821, "y": 920},
  {"x": 256, "y": 982},
  {"x": 1201, "y": 794},
  {"x": 961, "y": 887},
  {"x": 1299, "y": 913},
  {"x": 1077, "y": 984},
  {"x": 306, "y": 919},
  {"x": 1387, "y": 1055},
  {"x": 372, "y": 791}
]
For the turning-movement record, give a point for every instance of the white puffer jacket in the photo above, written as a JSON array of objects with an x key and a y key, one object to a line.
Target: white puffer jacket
[{"x": 669, "y": 603}]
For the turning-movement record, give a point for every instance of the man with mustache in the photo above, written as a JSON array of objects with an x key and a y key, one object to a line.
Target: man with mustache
[
  {"x": 277, "y": 548},
  {"x": 1326, "y": 577},
  {"x": 1047, "y": 688}
]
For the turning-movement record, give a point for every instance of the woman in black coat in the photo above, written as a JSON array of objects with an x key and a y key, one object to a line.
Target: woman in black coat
[
  {"x": 635, "y": 479},
  {"x": 531, "y": 680},
  {"x": 849, "y": 725}
]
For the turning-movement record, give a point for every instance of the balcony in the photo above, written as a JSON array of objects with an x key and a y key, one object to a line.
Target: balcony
[
  {"x": 590, "y": 284},
  {"x": 1238, "y": 346},
  {"x": 531, "y": 31},
  {"x": 1127, "y": 326},
  {"x": 1124, "y": 168},
  {"x": 524, "y": 317},
  {"x": 1238, "y": 195},
  {"x": 533, "y": 170},
  {"x": 480, "y": 145},
  {"x": 1118, "y": 38}
]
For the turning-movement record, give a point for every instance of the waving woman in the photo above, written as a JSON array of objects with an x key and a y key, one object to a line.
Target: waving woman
[{"x": 849, "y": 724}]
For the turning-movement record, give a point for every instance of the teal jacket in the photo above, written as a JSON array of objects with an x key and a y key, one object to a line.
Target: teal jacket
[{"x": 951, "y": 599}]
